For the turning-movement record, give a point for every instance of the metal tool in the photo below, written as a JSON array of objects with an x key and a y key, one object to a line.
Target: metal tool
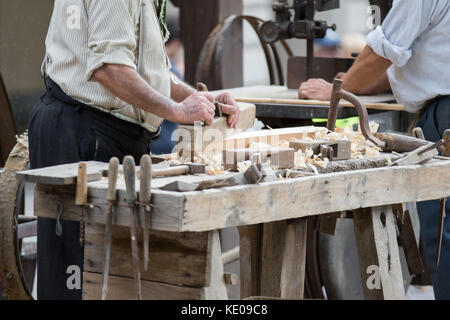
[
  {"x": 420, "y": 155},
  {"x": 144, "y": 200},
  {"x": 81, "y": 196},
  {"x": 442, "y": 216},
  {"x": 201, "y": 87},
  {"x": 338, "y": 94},
  {"x": 303, "y": 25},
  {"x": 111, "y": 198},
  {"x": 129, "y": 171},
  {"x": 187, "y": 168}
]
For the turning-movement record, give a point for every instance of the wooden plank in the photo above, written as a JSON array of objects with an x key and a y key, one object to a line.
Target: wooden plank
[
  {"x": 175, "y": 258},
  {"x": 379, "y": 260},
  {"x": 314, "y": 195},
  {"x": 121, "y": 288},
  {"x": 293, "y": 266},
  {"x": 273, "y": 243},
  {"x": 165, "y": 213},
  {"x": 283, "y": 93},
  {"x": 273, "y": 137},
  {"x": 250, "y": 259},
  {"x": 267, "y": 202},
  {"x": 65, "y": 174}
]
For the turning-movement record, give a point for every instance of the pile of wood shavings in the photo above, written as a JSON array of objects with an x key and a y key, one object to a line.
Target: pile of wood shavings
[
  {"x": 213, "y": 164},
  {"x": 360, "y": 147}
]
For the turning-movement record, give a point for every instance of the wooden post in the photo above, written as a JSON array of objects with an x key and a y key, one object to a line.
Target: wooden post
[
  {"x": 197, "y": 19},
  {"x": 379, "y": 260},
  {"x": 273, "y": 259}
]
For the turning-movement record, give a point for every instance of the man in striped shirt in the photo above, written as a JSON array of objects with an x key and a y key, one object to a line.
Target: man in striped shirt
[{"x": 108, "y": 90}]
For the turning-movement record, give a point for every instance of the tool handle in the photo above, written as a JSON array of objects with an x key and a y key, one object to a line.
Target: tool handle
[
  {"x": 201, "y": 87},
  {"x": 146, "y": 179},
  {"x": 81, "y": 192},
  {"x": 112, "y": 179},
  {"x": 129, "y": 172},
  {"x": 172, "y": 171}
]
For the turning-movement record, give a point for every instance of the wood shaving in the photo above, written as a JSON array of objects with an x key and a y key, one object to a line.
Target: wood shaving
[
  {"x": 307, "y": 158},
  {"x": 244, "y": 165},
  {"x": 214, "y": 169}
]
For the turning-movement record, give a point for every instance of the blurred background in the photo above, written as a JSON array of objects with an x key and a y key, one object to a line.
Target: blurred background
[{"x": 24, "y": 23}]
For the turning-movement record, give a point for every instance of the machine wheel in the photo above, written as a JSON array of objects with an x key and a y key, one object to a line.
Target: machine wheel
[
  {"x": 13, "y": 283},
  {"x": 338, "y": 261}
]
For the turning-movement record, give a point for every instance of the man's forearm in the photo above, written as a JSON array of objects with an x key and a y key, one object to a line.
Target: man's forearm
[
  {"x": 179, "y": 90},
  {"x": 125, "y": 83},
  {"x": 368, "y": 74}
]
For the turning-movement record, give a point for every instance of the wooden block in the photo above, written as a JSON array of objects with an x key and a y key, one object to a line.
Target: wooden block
[
  {"x": 65, "y": 174},
  {"x": 342, "y": 149},
  {"x": 198, "y": 139},
  {"x": 376, "y": 241},
  {"x": 122, "y": 288},
  {"x": 282, "y": 158},
  {"x": 175, "y": 258},
  {"x": 328, "y": 224}
]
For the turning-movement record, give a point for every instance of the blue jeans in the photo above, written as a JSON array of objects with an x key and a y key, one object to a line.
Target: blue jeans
[{"x": 434, "y": 121}]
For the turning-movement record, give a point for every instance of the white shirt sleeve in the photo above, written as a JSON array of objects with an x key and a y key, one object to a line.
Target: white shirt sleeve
[
  {"x": 406, "y": 21},
  {"x": 111, "y": 33}
]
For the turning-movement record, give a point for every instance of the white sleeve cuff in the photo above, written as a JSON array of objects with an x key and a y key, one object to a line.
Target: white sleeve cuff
[
  {"x": 380, "y": 45},
  {"x": 120, "y": 56}
]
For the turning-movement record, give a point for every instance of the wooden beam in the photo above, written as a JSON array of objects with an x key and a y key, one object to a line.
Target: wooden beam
[
  {"x": 314, "y": 195},
  {"x": 250, "y": 260},
  {"x": 379, "y": 259},
  {"x": 268, "y": 202},
  {"x": 122, "y": 288}
]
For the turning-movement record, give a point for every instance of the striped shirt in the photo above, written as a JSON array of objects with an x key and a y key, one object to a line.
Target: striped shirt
[{"x": 85, "y": 34}]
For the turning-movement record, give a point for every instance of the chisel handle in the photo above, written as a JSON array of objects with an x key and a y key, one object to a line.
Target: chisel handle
[
  {"x": 129, "y": 172},
  {"x": 146, "y": 179},
  {"x": 113, "y": 171},
  {"x": 81, "y": 192}
]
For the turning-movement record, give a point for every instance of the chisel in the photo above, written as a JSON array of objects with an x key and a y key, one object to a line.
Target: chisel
[
  {"x": 81, "y": 196},
  {"x": 144, "y": 200},
  {"x": 111, "y": 198},
  {"x": 129, "y": 172}
]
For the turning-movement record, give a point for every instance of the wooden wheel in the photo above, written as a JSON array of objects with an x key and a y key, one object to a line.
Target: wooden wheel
[{"x": 13, "y": 284}]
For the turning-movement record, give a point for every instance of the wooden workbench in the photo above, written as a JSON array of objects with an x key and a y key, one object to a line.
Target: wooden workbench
[{"x": 185, "y": 255}]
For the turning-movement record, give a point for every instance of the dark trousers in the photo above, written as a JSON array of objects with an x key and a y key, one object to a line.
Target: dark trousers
[
  {"x": 63, "y": 130},
  {"x": 434, "y": 121}
]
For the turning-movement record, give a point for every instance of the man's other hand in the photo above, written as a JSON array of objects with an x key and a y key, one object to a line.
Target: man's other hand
[
  {"x": 230, "y": 108},
  {"x": 315, "y": 89},
  {"x": 199, "y": 106}
]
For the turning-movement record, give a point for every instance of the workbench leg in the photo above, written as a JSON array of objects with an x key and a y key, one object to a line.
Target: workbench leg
[
  {"x": 379, "y": 260},
  {"x": 273, "y": 259},
  {"x": 214, "y": 269},
  {"x": 294, "y": 260},
  {"x": 250, "y": 259}
]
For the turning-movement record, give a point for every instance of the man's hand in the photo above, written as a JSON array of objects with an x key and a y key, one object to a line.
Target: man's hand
[
  {"x": 315, "y": 89},
  {"x": 199, "y": 106},
  {"x": 230, "y": 108}
]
